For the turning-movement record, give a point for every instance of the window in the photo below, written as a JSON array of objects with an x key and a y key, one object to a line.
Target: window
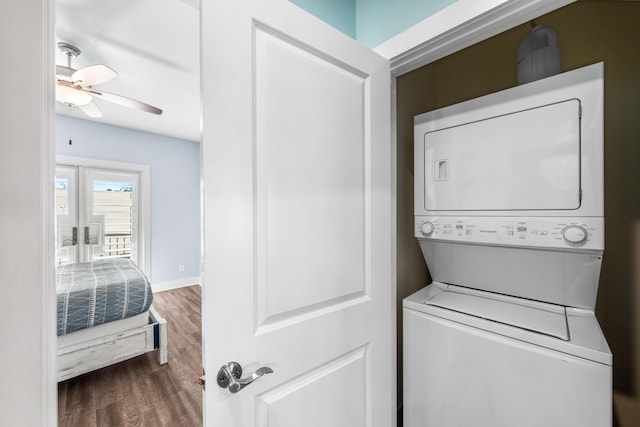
[{"x": 98, "y": 212}]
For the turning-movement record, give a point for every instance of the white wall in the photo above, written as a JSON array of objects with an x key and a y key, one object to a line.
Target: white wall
[
  {"x": 27, "y": 311},
  {"x": 175, "y": 188}
]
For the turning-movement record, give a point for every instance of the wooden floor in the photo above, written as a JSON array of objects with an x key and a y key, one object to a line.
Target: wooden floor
[{"x": 140, "y": 392}]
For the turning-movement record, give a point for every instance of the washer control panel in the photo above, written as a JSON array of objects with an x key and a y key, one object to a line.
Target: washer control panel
[{"x": 555, "y": 232}]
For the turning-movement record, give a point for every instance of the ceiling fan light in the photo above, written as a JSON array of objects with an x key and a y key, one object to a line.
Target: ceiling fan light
[{"x": 72, "y": 97}]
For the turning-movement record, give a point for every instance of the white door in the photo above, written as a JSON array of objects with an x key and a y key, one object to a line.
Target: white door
[
  {"x": 96, "y": 214},
  {"x": 297, "y": 220}
]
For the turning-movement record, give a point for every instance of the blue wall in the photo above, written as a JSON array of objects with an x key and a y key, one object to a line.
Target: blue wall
[
  {"x": 175, "y": 186},
  {"x": 341, "y": 14},
  {"x": 379, "y": 20},
  {"x": 372, "y": 22}
]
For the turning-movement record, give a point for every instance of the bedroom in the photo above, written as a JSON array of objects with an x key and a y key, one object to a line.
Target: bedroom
[{"x": 127, "y": 188}]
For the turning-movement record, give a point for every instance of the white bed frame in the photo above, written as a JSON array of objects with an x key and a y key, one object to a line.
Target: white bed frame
[{"x": 103, "y": 345}]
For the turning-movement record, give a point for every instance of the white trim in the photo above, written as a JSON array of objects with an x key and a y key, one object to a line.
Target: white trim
[
  {"x": 460, "y": 25},
  {"x": 49, "y": 387},
  {"x": 175, "y": 284},
  {"x": 394, "y": 242},
  {"x": 144, "y": 199},
  {"x": 100, "y": 164}
]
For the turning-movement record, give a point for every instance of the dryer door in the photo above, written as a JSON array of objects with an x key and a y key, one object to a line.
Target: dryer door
[{"x": 524, "y": 160}]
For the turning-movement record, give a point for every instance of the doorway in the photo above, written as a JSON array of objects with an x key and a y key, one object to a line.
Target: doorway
[{"x": 164, "y": 230}]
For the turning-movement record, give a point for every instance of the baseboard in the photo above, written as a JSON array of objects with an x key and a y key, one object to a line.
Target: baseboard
[{"x": 175, "y": 284}]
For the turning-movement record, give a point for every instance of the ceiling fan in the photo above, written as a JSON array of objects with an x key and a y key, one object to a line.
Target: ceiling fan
[{"x": 75, "y": 87}]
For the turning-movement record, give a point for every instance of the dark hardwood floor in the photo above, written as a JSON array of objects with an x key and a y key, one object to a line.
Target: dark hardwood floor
[{"x": 140, "y": 392}]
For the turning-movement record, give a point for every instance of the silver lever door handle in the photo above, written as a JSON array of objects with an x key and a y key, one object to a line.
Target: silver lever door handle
[{"x": 229, "y": 376}]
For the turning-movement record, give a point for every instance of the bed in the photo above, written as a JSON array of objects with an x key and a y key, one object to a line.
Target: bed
[{"x": 105, "y": 316}]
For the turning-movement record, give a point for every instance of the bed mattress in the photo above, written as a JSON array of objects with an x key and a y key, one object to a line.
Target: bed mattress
[{"x": 98, "y": 292}]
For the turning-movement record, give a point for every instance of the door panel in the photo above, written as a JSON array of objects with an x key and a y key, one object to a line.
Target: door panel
[
  {"x": 297, "y": 220},
  {"x": 344, "y": 379},
  {"x": 310, "y": 179}
]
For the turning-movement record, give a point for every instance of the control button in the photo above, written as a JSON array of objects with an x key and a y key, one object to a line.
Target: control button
[
  {"x": 575, "y": 235},
  {"x": 521, "y": 229},
  {"x": 427, "y": 228}
]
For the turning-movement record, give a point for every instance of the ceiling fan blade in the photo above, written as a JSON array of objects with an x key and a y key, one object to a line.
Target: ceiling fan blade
[
  {"x": 91, "y": 110},
  {"x": 127, "y": 102},
  {"x": 93, "y": 75},
  {"x": 70, "y": 96}
]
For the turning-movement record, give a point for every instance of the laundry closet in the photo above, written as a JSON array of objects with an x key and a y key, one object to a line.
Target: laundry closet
[{"x": 585, "y": 35}]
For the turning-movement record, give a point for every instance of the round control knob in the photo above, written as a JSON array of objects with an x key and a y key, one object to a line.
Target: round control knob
[
  {"x": 427, "y": 228},
  {"x": 575, "y": 235}
]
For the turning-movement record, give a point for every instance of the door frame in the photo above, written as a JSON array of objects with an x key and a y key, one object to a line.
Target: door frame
[
  {"x": 458, "y": 26},
  {"x": 144, "y": 199}
]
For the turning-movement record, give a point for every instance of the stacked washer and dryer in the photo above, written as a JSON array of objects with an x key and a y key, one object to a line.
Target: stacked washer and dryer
[{"x": 509, "y": 216}]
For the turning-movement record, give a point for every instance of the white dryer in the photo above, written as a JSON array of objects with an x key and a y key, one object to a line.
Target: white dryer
[{"x": 509, "y": 217}]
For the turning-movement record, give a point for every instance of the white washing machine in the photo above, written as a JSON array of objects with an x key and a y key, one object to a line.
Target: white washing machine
[{"x": 509, "y": 217}]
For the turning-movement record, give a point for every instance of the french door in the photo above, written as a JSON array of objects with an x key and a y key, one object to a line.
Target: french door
[{"x": 96, "y": 214}]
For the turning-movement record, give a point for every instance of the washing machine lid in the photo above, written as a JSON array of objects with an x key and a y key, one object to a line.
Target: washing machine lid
[
  {"x": 535, "y": 316},
  {"x": 584, "y": 336}
]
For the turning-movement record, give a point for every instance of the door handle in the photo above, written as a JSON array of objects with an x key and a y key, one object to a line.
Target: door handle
[
  {"x": 229, "y": 376},
  {"x": 86, "y": 235},
  {"x": 74, "y": 236}
]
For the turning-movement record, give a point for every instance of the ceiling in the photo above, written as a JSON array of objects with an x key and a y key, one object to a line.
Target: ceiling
[{"x": 154, "y": 47}]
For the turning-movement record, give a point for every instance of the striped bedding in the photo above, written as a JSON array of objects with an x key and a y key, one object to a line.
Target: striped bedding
[{"x": 92, "y": 293}]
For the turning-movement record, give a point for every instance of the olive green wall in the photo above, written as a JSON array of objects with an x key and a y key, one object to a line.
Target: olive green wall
[{"x": 588, "y": 31}]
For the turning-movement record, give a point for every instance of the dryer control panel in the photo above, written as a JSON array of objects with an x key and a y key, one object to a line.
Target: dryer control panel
[{"x": 543, "y": 232}]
